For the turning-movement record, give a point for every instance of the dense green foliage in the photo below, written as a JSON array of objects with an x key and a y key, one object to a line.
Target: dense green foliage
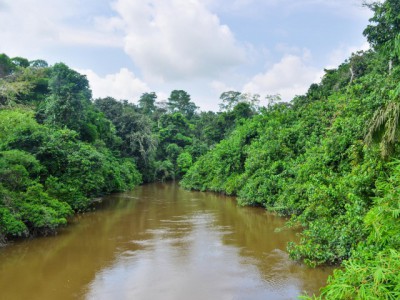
[
  {"x": 46, "y": 173},
  {"x": 165, "y": 138},
  {"x": 329, "y": 161},
  {"x": 297, "y": 161},
  {"x": 57, "y": 151},
  {"x": 373, "y": 271}
]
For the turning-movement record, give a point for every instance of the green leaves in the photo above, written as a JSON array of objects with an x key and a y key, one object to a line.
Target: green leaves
[
  {"x": 368, "y": 276},
  {"x": 10, "y": 220},
  {"x": 47, "y": 173},
  {"x": 41, "y": 211},
  {"x": 385, "y": 24},
  {"x": 307, "y": 161},
  {"x": 397, "y": 45},
  {"x": 179, "y": 101}
]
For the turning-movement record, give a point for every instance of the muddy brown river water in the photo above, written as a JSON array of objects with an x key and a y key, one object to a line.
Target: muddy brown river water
[{"x": 160, "y": 242}]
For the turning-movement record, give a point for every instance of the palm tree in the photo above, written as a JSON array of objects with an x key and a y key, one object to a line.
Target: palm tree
[{"x": 384, "y": 126}]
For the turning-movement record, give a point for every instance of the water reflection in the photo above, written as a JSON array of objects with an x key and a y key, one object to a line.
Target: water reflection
[{"x": 160, "y": 242}]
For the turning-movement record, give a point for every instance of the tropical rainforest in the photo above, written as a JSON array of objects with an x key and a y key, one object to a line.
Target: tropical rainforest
[
  {"x": 60, "y": 149},
  {"x": 329, "y": 159}
]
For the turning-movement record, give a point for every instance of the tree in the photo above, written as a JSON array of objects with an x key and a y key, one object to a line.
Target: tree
[
  {"x": 135, "y": 132},
  {"x": 147, "y": 103},
  {"x": 38, "y": 64},
  {"x": 11, "y": 91},
  {"x": 242, "y": 111},
  {"x": 253, "y": 100},
  {"x": 111, "y": 108},
  {"x": 359, "y": 64},
  {"x": 184, "y": 162},
  {"x": 6, "y": 65},
  {"x": 20, "y": 62},
  {"x": 69, "y": 95},
  {"x": 385, "y": 25},
  {"x": 384, "y": 126},
  {"x": 207, "y": 128},
  {"x": 229, "y": 100},
  {"x": 179, "y": 101},
  {"x": 384, "y": 32},
  {"x": 23, "y": 85},
  {"x": 175, "y": 133},
  {"x": 174, "y": 129}
]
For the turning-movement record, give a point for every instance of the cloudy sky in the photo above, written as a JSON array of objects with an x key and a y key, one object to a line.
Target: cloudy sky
[{"x": 205, "y": 47}]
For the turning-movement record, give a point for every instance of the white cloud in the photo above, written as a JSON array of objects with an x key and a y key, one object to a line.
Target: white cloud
[
  {"x": 177, "y": 39},
  {"x": 19, "y": 23},
  {"x": 123, "y": 85},
  {"x": 28, "y": 26},
  {"x": 289, "y": 77}
]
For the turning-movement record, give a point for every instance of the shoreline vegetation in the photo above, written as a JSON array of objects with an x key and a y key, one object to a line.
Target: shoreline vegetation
[{"x": 329, "y": 160}]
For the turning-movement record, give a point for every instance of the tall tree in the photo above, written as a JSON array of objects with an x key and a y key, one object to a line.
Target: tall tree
[
  {"x": 6, "y": 65},
  {"x": 69, "y": 95},
  {"x": 384, "y": 31},
  {"x": 229, "y": 100},
  {"x": 384, "y": 126},
  {"x": 38, "y": 63},
  {"x": 179, "y": 101},
  {"x": 111, "y": 107},
  {"x": 20, "y": 62},
  {"x": 385, "y": 24},
  {"x": 147, "y": 103},
  {"x": 135, "y": 131}
]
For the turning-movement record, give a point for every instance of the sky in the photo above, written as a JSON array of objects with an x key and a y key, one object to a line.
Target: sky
[{"x": 205, "y": 47}]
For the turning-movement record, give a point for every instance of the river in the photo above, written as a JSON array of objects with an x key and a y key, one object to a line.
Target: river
[{"x": 160, "y": 242}]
